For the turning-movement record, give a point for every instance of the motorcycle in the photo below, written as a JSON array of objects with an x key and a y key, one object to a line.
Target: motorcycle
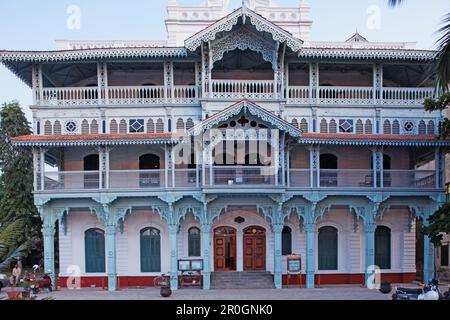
[
  {"x": 431, "y": 291},
  {"x": 40, "y": 282}
]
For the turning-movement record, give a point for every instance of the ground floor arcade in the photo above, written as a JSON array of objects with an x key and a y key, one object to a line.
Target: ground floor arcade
[{"x": 128, "y": 241}]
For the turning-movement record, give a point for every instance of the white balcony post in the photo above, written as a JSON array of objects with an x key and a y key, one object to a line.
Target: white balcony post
[
  {"x": 42, "y": 165},
  {"x": 317, "y": 165},
  {"x": 381, "y": 165},
  {"x": 314, "y": 82},
  {"x": 374, "y": 166},
  {"x": 107, "y": 168},
  {"x": 37, "y": 83},
  {"x": 288, "y": 167},
  {"x": 166, "y": 166},
  {"x": 102, "y": 83},
  {"x": 438, "y": 164},
  {"x": 172, "y": 165}
]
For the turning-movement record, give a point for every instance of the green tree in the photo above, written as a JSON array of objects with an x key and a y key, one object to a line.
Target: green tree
[
  {"x": 19, "y": 220},
  {"x": 439, "y": 222}
]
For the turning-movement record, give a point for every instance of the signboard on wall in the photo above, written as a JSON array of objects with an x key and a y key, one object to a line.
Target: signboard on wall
[{"x": 294, "y": 264}]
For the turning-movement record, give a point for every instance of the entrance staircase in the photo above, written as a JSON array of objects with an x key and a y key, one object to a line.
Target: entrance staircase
[{"x": 241, "y": 280}]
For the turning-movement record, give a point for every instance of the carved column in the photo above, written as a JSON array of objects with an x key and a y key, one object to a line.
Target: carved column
[
  {"x": 377, "y": 84},
  {"x": 206, "y": 228},
  {"x": 309, "y": 226},
  {"x": 111, "y": 229},
  {"x": 370, "y": 226},
  {"x": 374, "y": 166},
  {"x": 314, "y": 166},
  {"x": 314, "y": 82},
  {"x": 102, "y": 80},
  {"x": 439, "y": 168},
  {"x": 37, "y": 85},
  {"x": 173, "y": 233},
  {"x": 48, "y": 232},
  {"x": 36, "y": 168},
  {"x": 168, "y": 81},
  {"x": 428, "y": 251},
  {"x": 277, "y": 230}
]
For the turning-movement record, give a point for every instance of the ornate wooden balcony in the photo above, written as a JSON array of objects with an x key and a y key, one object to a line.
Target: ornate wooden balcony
[
  {"x": 238, "y": 177},
  {"x": 231, "y": 90}
]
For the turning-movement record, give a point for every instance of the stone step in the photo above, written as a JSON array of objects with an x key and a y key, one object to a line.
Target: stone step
[{"x": 241, "y": 280}]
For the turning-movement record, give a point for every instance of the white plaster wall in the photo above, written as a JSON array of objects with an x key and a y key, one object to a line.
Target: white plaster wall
[{"x": 350, "y": 243}]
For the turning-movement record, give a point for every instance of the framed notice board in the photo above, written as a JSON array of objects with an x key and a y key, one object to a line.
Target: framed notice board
[{"x": 294, "y": 264}]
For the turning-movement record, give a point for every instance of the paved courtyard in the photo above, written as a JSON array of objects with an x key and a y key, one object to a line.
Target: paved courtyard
[{"x": 323, "y": 293}]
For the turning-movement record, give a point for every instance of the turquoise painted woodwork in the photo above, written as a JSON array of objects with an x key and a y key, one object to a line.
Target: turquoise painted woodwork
[
  {"x": 94, "y": 249},
  {"x": 49, "y": 251},
  {"x": 369, "y": 238},
  {"x": 327, "y": 248},
  {"x": 112, "y": 273},
  {"x": 173, "y": 231},
  {"x": 150, "y": 250},
  {"x": 206, "y": 244},
  {"x": 277, "y": 229},
  {"x": 310, "y": 254},
  {"x": 428, "y": 259},
  {"x": 383, "y": 247}
]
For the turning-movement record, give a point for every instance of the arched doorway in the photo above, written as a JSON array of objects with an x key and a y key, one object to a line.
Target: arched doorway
[
  {"x": 254, "y": 249},
  {"x": 94, "y": 248},
  {"x": 225, "y": 249},
  {"x": 328, "y": 248},
  {"x": 91, "y": 179},
  {"x": 149, "y": 165},
  {"x": 150, "y": 239},
  {"x": 383, "y": 247}
]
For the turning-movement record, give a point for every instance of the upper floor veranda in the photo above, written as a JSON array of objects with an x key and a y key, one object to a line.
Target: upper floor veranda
[{"x": 242, "y": 55}]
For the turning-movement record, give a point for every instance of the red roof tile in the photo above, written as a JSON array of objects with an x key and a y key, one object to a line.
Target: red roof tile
[{"x": 98, "y": 137}]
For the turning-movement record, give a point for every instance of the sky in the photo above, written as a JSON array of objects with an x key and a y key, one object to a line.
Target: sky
[{"x": 34, "y": 25}]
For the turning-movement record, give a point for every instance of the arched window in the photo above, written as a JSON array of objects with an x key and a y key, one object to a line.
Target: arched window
[
  {"x": 84, "y": 127},
  {"x": 150, "y": 250},
  {"x": 91, "y": 179},
  {"x": 94, "y": 127},
  {"x": 368, "y": 127},
  {"x": 328, "y": 167},
  {"x": 150, "y": 163},
  {"x": 294, "y": 122},
  {"x": 113, "y": 127},
  {"x": 286, "y": 241},
  {"x": 94, "y": 248},
  {"x": 383, "y": 247},
  {"x": 328, "y": 247},
  {"x": 194, "y": 242},
  {"x": 304, "y": 126}
]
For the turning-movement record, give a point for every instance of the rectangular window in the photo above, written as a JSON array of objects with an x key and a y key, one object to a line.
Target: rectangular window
[
  {"x": 136, "y": 125},
  {"x": 346, "y": 126},
  {"x": 444, "y": 256}
]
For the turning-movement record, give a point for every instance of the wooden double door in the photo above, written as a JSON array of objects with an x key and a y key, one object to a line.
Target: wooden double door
[
  {"x": 225, "y": 249},
  {"x": 254, "y": 249}
]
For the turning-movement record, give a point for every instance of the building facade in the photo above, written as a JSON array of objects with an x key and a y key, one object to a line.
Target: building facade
[{"x": 239, "y": 142}]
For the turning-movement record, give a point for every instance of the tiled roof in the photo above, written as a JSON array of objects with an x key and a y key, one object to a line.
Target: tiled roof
[{"x": 93, "y": 139}]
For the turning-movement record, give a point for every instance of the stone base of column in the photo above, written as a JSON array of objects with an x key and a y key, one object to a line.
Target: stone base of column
[
  {"x": 310, "y": 280},
  {"x": 112, "y": 282},
  {"x": 206, "y": 280},
  {"x": 278, "y": 280}
]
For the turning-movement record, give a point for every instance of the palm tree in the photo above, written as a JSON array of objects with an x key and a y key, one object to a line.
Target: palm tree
[{"x": 442, "y": 65}]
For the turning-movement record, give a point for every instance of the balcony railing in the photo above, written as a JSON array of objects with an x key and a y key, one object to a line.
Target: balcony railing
[
  {"x": 346, "y": 95},
  {"x": 238, "y": 89},
  {"x": 136, "y": 95},
  {"x": 241, "y": 176},
  {"x": 406, "y": 96},
  {"x": 236, "y": 177},
  {"x": 124, "y": 95},
  {"x": 231, "y": 89},
  {"x": 70, "y": 96},
  {"x": 357, "y": 95}
]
